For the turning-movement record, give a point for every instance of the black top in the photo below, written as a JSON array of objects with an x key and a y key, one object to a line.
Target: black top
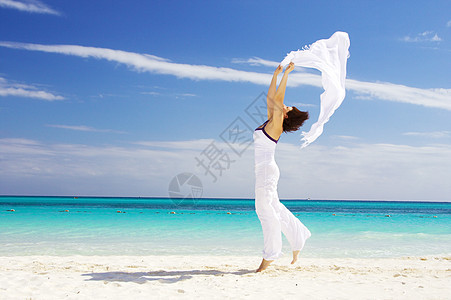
[{"x": 262, "y": 128}]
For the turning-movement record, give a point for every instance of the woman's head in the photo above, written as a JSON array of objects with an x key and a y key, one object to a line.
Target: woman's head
[{"x": 294, "y": 118}]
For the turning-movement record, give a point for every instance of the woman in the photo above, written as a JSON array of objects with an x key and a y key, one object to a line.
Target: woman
[{"x": 274, "y": 216}]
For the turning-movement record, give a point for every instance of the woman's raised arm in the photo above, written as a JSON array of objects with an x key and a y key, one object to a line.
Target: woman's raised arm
[
  {"x": 280, "y": 93},
  {"x": 270, "y": 97}
]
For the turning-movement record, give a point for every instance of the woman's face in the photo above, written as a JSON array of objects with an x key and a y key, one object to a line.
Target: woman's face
[{"x": 286, "y": 109}]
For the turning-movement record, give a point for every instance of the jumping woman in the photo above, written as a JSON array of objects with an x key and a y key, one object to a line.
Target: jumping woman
[{"x": 274, "y": 216}]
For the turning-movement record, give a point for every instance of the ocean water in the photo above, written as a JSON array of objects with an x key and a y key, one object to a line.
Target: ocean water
[{"x": 159, "y": 226}]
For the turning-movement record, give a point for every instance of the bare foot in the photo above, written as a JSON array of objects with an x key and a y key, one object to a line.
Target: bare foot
[
  {"x": 295, "y": 256},
  {"x": 278, "y": 70},
  {"x": 265, "y": 263}
]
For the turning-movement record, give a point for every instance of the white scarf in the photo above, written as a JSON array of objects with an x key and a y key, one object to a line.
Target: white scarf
[{"x": 330, "y": 57}]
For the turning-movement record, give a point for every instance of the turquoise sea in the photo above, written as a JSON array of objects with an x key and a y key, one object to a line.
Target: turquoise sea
[{"x": 160, "y": 226}]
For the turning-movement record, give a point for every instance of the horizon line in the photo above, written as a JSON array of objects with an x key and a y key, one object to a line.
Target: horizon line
[{"x": 222, "y": 198}]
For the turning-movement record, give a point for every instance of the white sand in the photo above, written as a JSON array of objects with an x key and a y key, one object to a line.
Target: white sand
[{"x": 219, "y": 277}]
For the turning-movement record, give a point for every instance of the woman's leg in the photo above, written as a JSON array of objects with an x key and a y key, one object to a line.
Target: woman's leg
[
  {"x": 293, "y": 229},
  {"x": 269, "y": 219}
]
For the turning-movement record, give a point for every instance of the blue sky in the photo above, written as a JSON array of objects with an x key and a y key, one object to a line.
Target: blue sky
[{"x": 116, "y": 98}]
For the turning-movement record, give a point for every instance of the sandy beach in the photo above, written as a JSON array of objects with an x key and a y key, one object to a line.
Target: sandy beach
[{"x": 220, "y": 277}]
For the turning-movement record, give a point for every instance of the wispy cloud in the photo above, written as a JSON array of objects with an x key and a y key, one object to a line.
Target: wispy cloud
[
  {"x": 438, "y": 98},
  {"x": 83, "y": 128},
  {"x": 448, "y": 24},
  {"x": 357, "y": 171},
  {"x": 23, "y": 90},
  {"x": 148, "y": 63},
  {"x": 433, "y": 134},
  {"x": 302, "y": 105},
  {"x": 151, "y": 93},
  {"x": 426, "y": 36},
  {"x": 187, "y": 95},
  {"x": 195, "y": 145},
  {"x": 109, "y": 95},
  {"x": 345, "y": 137},
  {"x": 31, "y": 6},
  {"x": 172, "y": 95},
  {"x": 255, "y": 61}
]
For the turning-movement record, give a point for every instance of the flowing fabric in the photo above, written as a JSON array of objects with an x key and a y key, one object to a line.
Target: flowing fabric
[{"x": 328, "y": 56}]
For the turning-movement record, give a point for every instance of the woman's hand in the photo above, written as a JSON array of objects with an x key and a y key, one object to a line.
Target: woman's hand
[{"x": 289, "y": 68}]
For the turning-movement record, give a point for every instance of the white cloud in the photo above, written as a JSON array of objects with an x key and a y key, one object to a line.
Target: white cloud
[
  {"x": 366, "y": 171},
  {"x": 438, "y": 98},
  {"x": 358, "y": 171},
  {"x": 32, "y": 167},
  {"x": 300, "y": 104},
  {"x": 433, "y": 134},
  {"x": 436, "y": 38},
  {"x": 448, "y": 24},
  {"x": 172, "y": 95},
  {"x": 83, "y": 128},
  {"x": 426, "y": 36},
  {"x": 31, "y": 6},
  {"x": 151, "y": 93},
  {"x": 186, "y": 95},
  {"x": 256, "y": 61},
  {"x": 148, "y": 63},
  {"x": 28, "y": 91},
  {"x": 198, "y": 145},
  {"x": 345, "y": 137}
]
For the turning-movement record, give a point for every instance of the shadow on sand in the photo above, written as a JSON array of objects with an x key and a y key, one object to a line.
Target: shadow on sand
[{"x": 161, "y": 276}]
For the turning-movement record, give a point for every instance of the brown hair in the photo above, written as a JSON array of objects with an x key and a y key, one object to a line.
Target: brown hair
[{"x": 294, "y": 120}]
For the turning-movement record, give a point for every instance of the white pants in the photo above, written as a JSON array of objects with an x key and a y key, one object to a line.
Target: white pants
[{"x": 276, "y": 218}]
